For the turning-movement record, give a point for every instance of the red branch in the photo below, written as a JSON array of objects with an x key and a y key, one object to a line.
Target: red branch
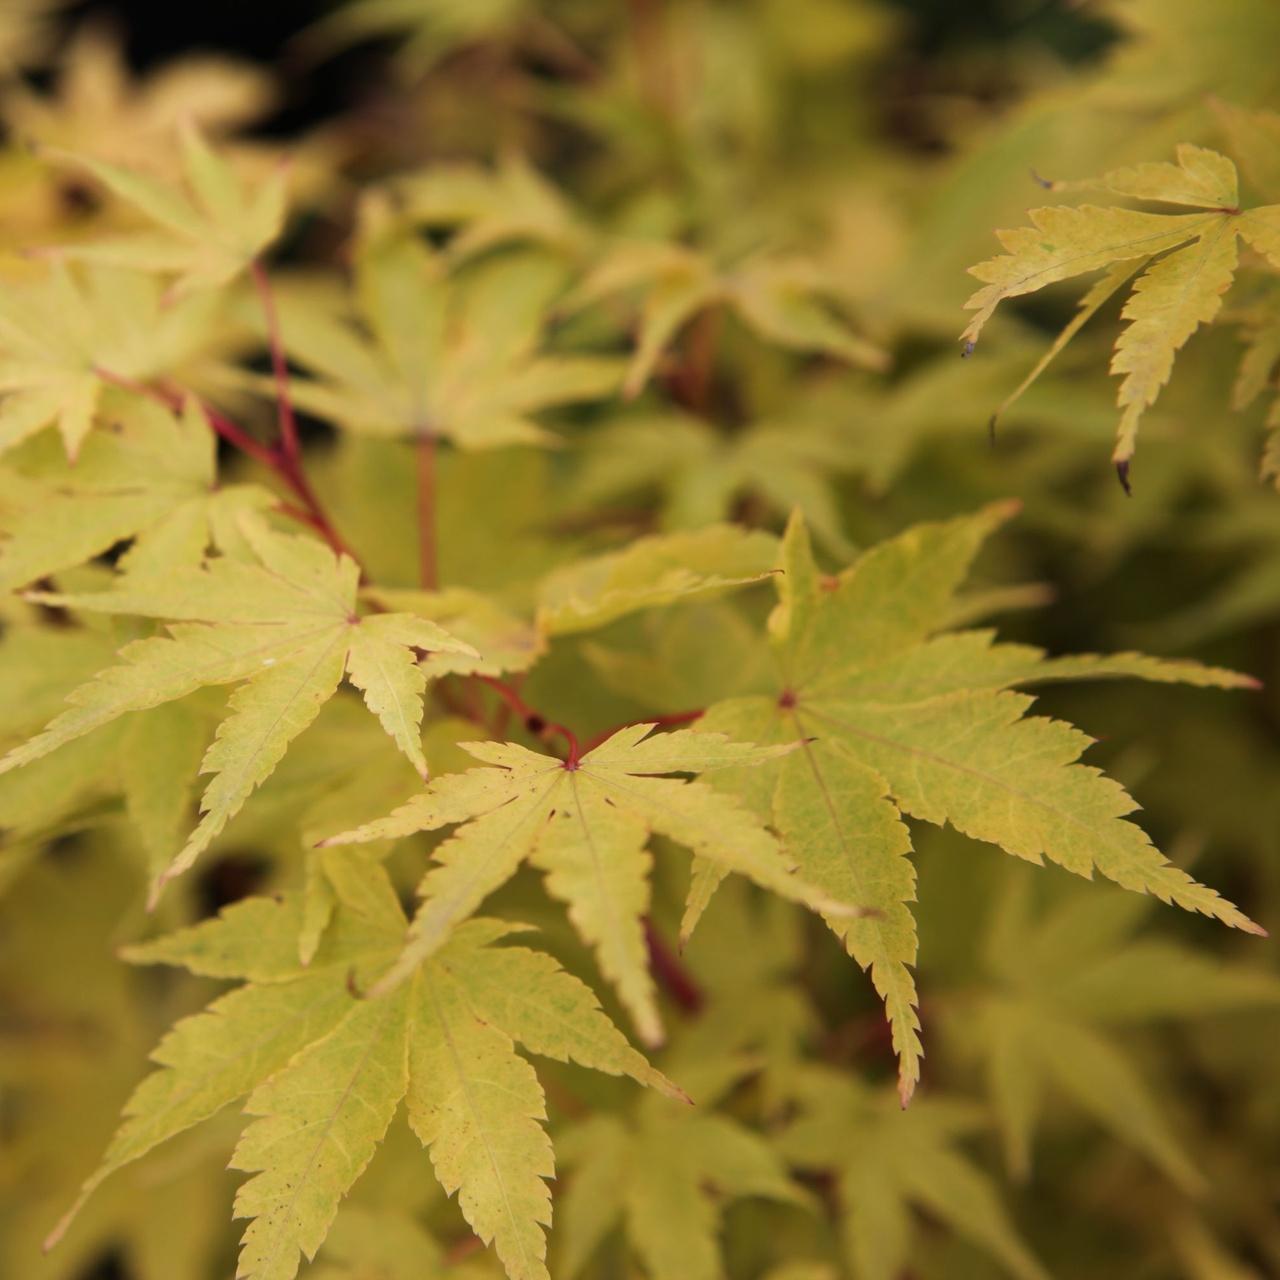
[
  {"x": 671, "y": 975},
  {"x": 287, "y": 469},
  {"x": 290, "y": 446},
  {"x": 535, "y": 721}
]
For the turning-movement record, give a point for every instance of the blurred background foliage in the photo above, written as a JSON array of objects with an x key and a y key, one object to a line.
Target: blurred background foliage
[{"x": 781, "y": 197}]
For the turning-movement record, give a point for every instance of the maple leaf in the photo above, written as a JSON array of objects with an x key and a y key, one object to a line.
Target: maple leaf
[
  {"x": 664, "y": 1176},
  {"x": 651, "y": 572},
  {"x": 1260, "y": 326},
  {"x": 150, "y": 479},
  {"x": 101, "y": 109},
  {"x": 1187, "y": 262},
  {"x": 209, "y": 230},
  {"x": 489, "y": 207},
  {"x": 1062, "y": 982},
  {"x": 430, "y": 354},
  {"x": 887, "y": 1162},
  {"x": 754, "y": 1018},
  {"x": 73, "y": 1038},
  {"x": 1252, "y": 136},
  {"x": 431, "y": 29},
  {"x": 701, "y": 473},
  {"x": 892, "y": 719},
  {"x": 585, "y": 823},
  {"x": 503, "y": 641},
  {"x": 59, "y": 331},
  {"x": 384, "y": 1244},
  {"x": 285, "y": 630},
  {"x": 325, "y": 1071},
  {"x": 783, "y": 299}
]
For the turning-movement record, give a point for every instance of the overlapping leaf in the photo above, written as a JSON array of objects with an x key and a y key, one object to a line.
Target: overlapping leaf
[
  {"x": 149, "y": 480},
  {"x": 97, "y": 107},
  {"x": 208, "y": 230},
  {"x": 664, "y": 1176},
  {"x": 1187, "y": 262},
  {"x": 285, "y": 630},
  {"x": 325, "y": 1071},
  {"x": 429, "y": 30},
  {"x": 486, "y": 208},
  {"x": 784, "y": 300},
  {"x": 888, "y": 1162},
  {"x": 892, "y": 719},
  {"x": 701, "y": 473},
  {"x": 430, "y": 354},
  {"x": 1064, "y": 982},
  {"x": 585, "y": 823},
  {"x": 651, "y": 572},
  {"x": 65, "y": 335}
]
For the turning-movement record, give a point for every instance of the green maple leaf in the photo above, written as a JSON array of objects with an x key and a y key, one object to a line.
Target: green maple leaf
[
  {"x": 586, "y": 824},
  {"x": 74, "y": 1035},
  {"x": 386, "y": 1244},
  {"x": 98, "y": 105},
  {"x": 487, "y": 208},
  {"x": 433, "y": 354},
  {"x": 150, "y": 479},
  {"x": 701, "y": 473},
  {"x": 780, "y": 298},
  {"x": 1187, "y": 262},
  {"x": 208, "y": 231},
  {"x": 1062, "y": 983},
  {"x": 755, "y": 1017},
  {"x": 326, "y": 1071},
  {"x": 503, "y": 640},
  {"x": 664, "y": 1174},
  {"x": 887, "y": 1161},
  {"x": 893, "y": 719},
  {"x": 431, "y": 28},
  {"x": 61, "y": 330},
  {"x": 651, "y": 572},
  {"x": 285, "y": 629}
]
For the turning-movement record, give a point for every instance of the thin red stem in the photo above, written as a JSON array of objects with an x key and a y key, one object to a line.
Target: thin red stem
[
  {"x": 427, "y": 558},
  {"x": 670, "y": 973},
  {"x": 535, "y": 721},
  {"x": 232, "y": 433},
  {"x": 288, "y": 469},
  {"x": 290, "y": 445}
]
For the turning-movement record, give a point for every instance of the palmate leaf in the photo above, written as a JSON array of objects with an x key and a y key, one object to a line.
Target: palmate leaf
[
  {"x": 1062, "y": 983},
  {"x": 586, "y": 823},
  {"x": 1186, "y": 263},
  {"x": 782, "y": 299},
  {"x": 432, "y": 354},
  {"x": 664, "y": 1176},
  {"x": 208, "y": 231},
  {"x": 485, "y": 208},
  {"x": 99, "y": 107},
  {"x": 701, "y": 473},
  {"x": 284, "y": 629},
  {"x": 429, "y": 29},
  {"x": 893, "y": 719},
  {"x": 326, "y": 1071},
  {"x": 149, "y": 479},
  {"x": 389, "y": 1244},
  {"x": 888, "y": 1162},
  {"x": 660, "y": 570},
  {"x": 63, "y": 330}
]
